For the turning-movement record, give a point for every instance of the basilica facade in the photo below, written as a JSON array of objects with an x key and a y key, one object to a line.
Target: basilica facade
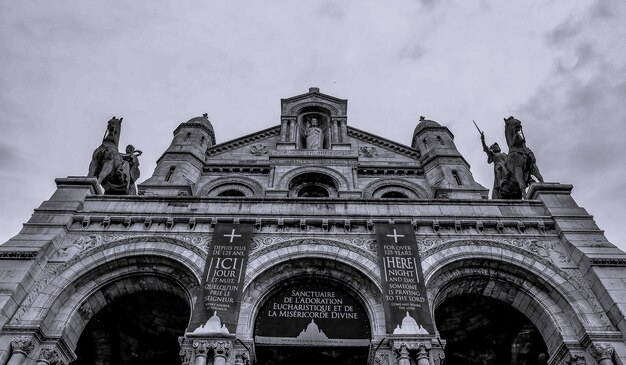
[{"x": 307, "y": 242}]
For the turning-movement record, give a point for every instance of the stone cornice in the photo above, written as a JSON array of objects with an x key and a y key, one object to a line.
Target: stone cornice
[{"x": 242, "y": 141}]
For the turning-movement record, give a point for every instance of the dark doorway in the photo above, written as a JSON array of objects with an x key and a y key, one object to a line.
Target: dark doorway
[
  {"x": 267, "y": 355},
  {"x": 485, "y": 331},
  {"x": 135, "y": 329}
]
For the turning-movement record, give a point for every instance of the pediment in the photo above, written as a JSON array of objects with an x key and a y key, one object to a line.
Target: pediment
[
  {"x": 314, "y": 98},
  {"x": 383, "y": 149},
  {"x": 251, "y": 147}
]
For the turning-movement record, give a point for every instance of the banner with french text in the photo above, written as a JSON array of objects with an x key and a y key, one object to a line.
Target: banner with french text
[
  {"x": 404, "y": 293},
  {"x": 216, "y": 311}
]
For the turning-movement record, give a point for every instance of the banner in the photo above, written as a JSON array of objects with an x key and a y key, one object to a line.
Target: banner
[
  {"x": 404, "y": 293},
  {"x": 312, "y": 315},
  {"x": 217, "y": 305}
]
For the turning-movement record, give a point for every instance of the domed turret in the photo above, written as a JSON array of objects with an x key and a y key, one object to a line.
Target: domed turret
[
  {"x": 424, "y": 124},
  {"x": 180, "y": 167}
]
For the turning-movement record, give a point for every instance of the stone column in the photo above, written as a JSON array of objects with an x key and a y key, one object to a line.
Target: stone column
[
  {"x": 21, "y": 346},
  {"x": 283, "y": 130},
  {"x": 603, "y": 353},
  {"x": 335, "y": 128},
  {"x": 403, "y": 359},
  {"x": 200, "y": 351},
  {"x": 292, "y": 130},
  {"x": 49, "y": 356},
  {"x": 344, "y": 131},
  {"x": 422, "y": 356}
]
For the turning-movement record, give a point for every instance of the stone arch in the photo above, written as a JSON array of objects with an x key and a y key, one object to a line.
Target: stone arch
[
  {"x": 298, "y": 108},
  {"x": 340, "y": 181},
  {"x": 377, "y": 188},
  {"x": 262, "y": 286},
  {"x": 59, "y": 307},
  {"x": 535, "y": 288},
  {"x": 246, "y": 185}
]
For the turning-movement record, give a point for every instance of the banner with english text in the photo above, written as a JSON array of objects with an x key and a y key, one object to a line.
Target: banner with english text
[
  {"x": 404, "y": 293},
  {"x": 216, "y": 310}
]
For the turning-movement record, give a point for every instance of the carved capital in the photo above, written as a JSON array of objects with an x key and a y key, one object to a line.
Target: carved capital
[
  {"x": 601, "y": 351},
  {"x": 220, "y": 347},
  {"x": 200, "y": 348},
  {"x": 575, "y": 358},
  {"x": 22, "y": 344},
  {"x": 242, "y": 358},
  {"x": 51, "y": 356}
]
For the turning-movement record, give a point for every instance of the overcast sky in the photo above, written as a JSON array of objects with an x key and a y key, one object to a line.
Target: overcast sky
[{"x": 66, "y": 67}]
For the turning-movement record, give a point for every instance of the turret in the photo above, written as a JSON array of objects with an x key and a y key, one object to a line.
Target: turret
[
  {"x": 180, "y": 167},
  {"x": 444, "y": 167}
]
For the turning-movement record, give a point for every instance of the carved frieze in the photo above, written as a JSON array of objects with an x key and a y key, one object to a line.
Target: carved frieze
[
  {"x": 264, "y": 244},
  {"x": 49, "y": 272},
  {"x": 547, "y": 250}
]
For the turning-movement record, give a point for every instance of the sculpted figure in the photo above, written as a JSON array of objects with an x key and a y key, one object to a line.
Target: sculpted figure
[
  {"x": 313, "y": 135},
  {"x": 521, "y": 163},
  {"x": 116, "y": 172},
  {"x": 498, "y": 158}
]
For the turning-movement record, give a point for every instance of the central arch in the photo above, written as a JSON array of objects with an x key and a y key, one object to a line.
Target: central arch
[{"x": 319, "y": 281}]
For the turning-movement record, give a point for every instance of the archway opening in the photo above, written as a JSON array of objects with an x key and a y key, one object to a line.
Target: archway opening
[
  {"x": 313, "y": 185},
  {"x": 312, "y": 321},
  {"x": 135, "y": 329},
  {"x": 486, "y": 331}
]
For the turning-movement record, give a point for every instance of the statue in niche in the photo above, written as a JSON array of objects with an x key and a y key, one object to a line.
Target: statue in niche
[
  {"x": 116, "y": 172},
  {"x": 313, "y": 135}
]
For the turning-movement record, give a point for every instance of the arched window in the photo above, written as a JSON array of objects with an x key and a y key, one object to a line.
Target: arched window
[
  {"x": 313, "y": 185},
  {"x": 393, "y": 195},
  {"x": 313, "y": 191},
  {"x": 169, "y": 174},
  {"x": 456, "y": 177},
  {"x": 440, "y": 140},
  {"x": 187, "y": 136},
  {"x": 231, "y": 192}
]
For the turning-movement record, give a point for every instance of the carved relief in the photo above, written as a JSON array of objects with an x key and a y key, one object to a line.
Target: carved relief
[
  {"x": 262, "y": 245},
  {"x": 575, "y": 358},
  {"x": 382, "y": 359},
  {"x": 259, "y": 149},
  {"x": 368, "y": 151},
  {"x": 86, "y": 310},
  {"x": 50, "y": 355}
]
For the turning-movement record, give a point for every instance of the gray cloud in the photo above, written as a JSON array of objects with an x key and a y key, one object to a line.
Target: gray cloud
[{"x": 564, "y": 32}]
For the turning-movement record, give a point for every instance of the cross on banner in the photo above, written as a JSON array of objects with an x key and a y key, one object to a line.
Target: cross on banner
[
  {"x": 394, "y": 235},
  {"x": 233, "y": 235}
]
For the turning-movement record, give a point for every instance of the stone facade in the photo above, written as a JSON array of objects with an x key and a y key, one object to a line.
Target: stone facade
[{"x": 314, "y": 213}]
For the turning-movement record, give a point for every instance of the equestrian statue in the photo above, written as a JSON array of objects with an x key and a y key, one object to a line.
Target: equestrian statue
[
  {"x": 116, "y": 172},
  {"x": 513, "y": 172}
]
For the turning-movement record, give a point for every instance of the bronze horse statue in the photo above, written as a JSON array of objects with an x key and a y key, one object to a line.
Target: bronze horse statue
[
  {"x": 521, "y": 164},
  {"x": 116, "y": 172}
]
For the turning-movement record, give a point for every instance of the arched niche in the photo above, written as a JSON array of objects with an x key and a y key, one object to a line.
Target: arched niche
[
  {"x": 313, "y": 185},
  {"x": 307, "y": 118}
]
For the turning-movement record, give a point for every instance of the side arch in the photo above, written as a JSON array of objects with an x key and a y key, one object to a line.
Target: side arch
[
  {"x": 376, "y": 188},
  {"x": 59, "y": 309},
  {"x": 536, "y": 289},
  {"x": 248, "y": 186}
]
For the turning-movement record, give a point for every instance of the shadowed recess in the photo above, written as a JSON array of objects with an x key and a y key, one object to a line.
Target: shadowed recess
[
  {"x": 135, "y": 329},
  {"x": 481, "y": 330}
]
